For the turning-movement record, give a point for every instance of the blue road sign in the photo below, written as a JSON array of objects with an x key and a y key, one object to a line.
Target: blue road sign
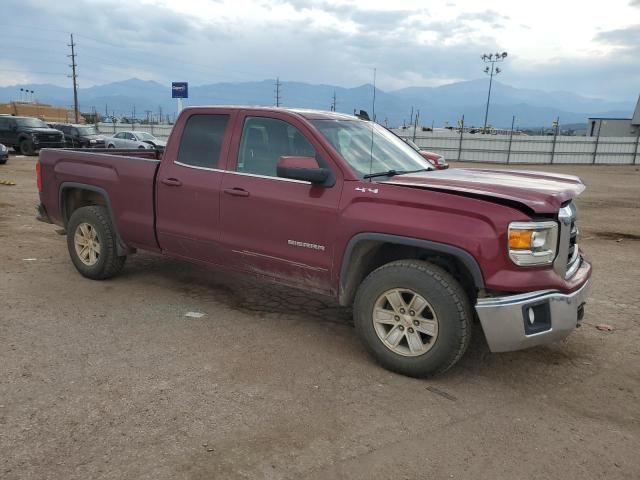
[{"x": 179, "y": 90}]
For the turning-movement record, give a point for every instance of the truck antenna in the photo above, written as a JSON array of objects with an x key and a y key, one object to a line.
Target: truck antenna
[{"x": 373, "y": 120}]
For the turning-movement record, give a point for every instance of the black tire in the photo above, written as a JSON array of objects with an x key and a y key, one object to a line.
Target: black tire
[
  {"x": 108, "y": 262},
  {"x": 142, "y": 147},
  {"x": 27, "y": 147},
  {"x": 447, "y": 300},
  {"x": 17, "y": 149},
  {"x": 111, "y": 146},
  {"x": 3, "y": 161}
]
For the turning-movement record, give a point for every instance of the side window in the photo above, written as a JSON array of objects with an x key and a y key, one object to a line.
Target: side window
[
  {"x": 201, "y": 140},
  {"x": 4, "y": 123},
  {"x": 72, "y": 131},
  {"x": 265, "y": 140}
]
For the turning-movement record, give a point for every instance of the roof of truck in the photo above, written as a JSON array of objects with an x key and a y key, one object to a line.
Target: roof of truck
[{"x": 307, "y": 113}]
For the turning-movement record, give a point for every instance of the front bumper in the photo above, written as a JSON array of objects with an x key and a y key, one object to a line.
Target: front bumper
[
  {"x": 48, "y": 144},
  {"x": 515, "y": 322}
]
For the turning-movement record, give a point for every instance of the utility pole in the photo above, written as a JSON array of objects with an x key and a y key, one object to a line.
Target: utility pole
[
  {"x": 159, "y": 113},
  {"x": 278, "y": 84},
  {"x": 148, "y": 112},
  {"x": 74, "y": 76},
  {"x": 333, "y": 102},
  {"x": 491, "y": 58}
]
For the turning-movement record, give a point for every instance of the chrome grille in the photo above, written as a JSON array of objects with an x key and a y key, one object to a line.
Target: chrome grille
[{"x": 568, "y": 258}]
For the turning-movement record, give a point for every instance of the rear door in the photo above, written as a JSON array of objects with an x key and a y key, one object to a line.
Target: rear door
[
  {"x": 117, "y": 139},
  {"x": 188, "y": 187},
  {"x": 272, "y": 226}
]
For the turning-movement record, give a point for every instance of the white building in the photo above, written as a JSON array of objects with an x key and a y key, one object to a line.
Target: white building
[{"x": 615, "y": 127}]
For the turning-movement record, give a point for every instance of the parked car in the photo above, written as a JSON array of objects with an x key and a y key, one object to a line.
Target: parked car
[
  {"x": 81, "y": 136},
  {"x": 331, "y": 204},
  {"x": 435, "y": 159},
  {"x": 27, "y": 135},
  {"x": 4, "y": 154},
  {"x": 134, "y": 140}
]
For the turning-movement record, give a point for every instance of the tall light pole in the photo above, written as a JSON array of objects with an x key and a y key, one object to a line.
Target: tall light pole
[{"x": 491, "y": 58}]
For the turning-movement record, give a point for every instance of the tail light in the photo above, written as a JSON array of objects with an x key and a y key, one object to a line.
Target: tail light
[{"x": 39, "y": 176}]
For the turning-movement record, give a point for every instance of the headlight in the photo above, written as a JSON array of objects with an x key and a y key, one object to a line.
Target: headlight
[
  {"x": 533, "y": 243},
  {"x": 34, "y": 137},
  {"x": 93, "y": 141}
]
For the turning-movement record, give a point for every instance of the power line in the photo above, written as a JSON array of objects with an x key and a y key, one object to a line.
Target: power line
[{"x": 75, "y": 79}]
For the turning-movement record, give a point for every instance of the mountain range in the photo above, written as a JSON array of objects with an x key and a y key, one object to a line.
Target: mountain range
[{"x": 440, "y": 105}]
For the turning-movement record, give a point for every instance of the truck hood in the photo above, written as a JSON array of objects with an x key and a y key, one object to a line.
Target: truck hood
[
  {"x": 40, "y": 130},
  {"x": 539, "y": 191}
]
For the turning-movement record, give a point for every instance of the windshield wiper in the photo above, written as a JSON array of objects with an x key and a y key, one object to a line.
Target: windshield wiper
[{"x": 393, "y": 173}]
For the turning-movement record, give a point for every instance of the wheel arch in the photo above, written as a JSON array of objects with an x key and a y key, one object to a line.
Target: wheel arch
[
  {"x": 367, "y": 251},
  {"x": 75, "y": 195}
]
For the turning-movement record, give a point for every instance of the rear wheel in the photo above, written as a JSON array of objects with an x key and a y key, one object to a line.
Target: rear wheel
[
  {"x": 92, "y": 243},
  {"x": 27, "y": 147},
  {"x": 111, "y": 146},
  {"x": 413, "y": 317}
]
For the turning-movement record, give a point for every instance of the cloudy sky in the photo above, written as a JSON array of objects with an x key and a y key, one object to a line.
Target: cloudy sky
[{"x": 584, "y": 46}]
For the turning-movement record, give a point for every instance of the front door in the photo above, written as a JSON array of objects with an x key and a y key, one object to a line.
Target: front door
[
  {"x": 278, "y": 227},
  {"x": 188, "y": 189}
]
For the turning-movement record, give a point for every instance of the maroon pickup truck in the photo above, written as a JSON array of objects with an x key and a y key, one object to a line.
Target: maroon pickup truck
[{"x": 339, "y": 206}]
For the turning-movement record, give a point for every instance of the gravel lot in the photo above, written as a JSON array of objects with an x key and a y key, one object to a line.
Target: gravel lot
[{"x": 111, "y": 380}]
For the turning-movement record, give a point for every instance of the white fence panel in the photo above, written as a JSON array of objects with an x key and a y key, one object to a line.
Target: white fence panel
[{"x": 528, "y": 149}]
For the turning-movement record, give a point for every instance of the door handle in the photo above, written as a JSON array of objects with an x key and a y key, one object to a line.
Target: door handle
[
  {"x": 172, "y": 182},
  {"x": 238, "y": 192}
]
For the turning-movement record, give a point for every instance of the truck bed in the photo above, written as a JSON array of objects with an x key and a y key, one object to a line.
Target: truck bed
[{"x": 126, "y": 178}]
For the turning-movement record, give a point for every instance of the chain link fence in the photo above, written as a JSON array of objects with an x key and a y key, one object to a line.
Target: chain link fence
[{"x": 515, "y": 148}]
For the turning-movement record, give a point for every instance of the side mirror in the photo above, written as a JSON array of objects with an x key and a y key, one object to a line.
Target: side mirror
[{"x": 302, "y": 168}]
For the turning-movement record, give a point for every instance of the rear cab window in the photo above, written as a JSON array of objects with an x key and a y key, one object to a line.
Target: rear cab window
[{"x": 202, "y": 140}]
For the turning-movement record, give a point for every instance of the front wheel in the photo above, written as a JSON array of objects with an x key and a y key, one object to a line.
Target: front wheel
[
  {"x": 92, "y": 243},
  {"x": 111, "y": 146},
  {"x": 413, "y": 317},
  {"x": 27, "y": 147}
]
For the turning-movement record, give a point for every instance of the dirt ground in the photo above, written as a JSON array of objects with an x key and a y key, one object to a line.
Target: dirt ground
[{"x": 111, "y": 380}]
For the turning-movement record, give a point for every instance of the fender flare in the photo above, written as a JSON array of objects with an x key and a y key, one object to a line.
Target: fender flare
[
  {"x": 122, "y": 248},
  {"x": 465, "y": 258}
]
